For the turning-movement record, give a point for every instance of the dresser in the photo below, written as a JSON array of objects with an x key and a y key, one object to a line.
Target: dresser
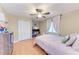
[{"x": 6, "y": 43}]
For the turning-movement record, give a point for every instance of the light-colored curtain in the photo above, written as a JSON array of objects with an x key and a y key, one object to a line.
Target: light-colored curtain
[
  {"x": 53, "y": 24},
  {"x": 56, "y": 22},
  {"x": 51, "y": 27}
]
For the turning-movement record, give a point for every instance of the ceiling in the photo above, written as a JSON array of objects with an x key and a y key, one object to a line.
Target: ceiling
[{"x": 24, "y": 9}]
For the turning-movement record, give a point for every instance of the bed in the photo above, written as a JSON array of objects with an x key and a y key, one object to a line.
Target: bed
[{"x": 52, "y": 45}]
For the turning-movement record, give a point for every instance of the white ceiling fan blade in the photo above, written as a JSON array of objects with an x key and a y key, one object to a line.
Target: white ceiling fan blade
[
  {"x": 46, "y": 13},
  {"x": 39, "y": 10},
  {"x": 32, "y": 14},
  {"x": 43, "y": 16}
]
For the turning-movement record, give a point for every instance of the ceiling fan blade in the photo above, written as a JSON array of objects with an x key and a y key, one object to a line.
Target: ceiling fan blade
[
  {"x": 43, "y": 16},
  {"x": 32, "y": 14},
  {"x": 46, "y": 13},
  {"x": 39, "y": 10}
]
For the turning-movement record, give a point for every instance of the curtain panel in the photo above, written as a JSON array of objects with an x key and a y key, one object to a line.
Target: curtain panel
[{"x": 54, "y": 24}]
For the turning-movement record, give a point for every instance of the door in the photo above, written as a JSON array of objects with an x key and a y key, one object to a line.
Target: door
[{"x": 24, "y": 30}]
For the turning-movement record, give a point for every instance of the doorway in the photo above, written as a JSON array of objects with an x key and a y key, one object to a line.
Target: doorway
[{"x": 24, "y": 30}]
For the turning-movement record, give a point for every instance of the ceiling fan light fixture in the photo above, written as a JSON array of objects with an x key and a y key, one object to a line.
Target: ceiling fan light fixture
[{"x": 39, "y": 15}]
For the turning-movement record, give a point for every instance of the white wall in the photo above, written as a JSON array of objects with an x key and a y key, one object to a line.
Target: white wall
[
  {"x": 12, "y": 25},
  {"x": 70, "y": 22},
  {"x": 43, "y": 26},
  {"x": 2, "y": 18}
]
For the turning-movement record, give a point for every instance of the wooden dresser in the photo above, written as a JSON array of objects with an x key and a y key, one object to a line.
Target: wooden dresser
[{"x": 6, "y": 43}]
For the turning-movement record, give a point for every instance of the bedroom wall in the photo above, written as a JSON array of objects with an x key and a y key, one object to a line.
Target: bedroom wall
[
  {"x": 12, "y": 24},
  {"x": 2, "y": 18},
  {"x": 43, "y": 26},
  {"x": 35, "y": 22},
  {"x": 69, "y": 22}
]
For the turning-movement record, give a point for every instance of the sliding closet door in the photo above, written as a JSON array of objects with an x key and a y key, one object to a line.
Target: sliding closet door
[{"x": 24, "y": 30}]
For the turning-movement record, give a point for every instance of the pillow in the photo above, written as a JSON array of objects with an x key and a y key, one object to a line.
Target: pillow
[
  {"x": 72, "y": 39},
  {"x": 76, "y": 44},
  {"x": 66, "y": 39}
]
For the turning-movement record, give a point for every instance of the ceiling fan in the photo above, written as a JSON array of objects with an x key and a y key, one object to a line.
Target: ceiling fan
[{"x": 40, "y": 13}]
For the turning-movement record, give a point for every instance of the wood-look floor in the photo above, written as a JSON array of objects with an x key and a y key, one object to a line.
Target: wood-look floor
[{"x": 26, "y": 47}]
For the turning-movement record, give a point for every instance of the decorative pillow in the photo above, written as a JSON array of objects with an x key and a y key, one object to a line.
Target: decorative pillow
[
  {"x": 66, "y": 39},
  {"x": 76, "y": 44},
  {"x": 72, "y": 39}
]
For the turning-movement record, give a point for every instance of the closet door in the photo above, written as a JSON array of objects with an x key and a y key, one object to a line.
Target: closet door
[{"x": 24, "y": 30}]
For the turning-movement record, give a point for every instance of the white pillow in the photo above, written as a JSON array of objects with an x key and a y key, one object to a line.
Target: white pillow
[
  {"x": 72, "y": 39},
  {"x": 76, "y": 44},
  {"x": 66, "y": 38}
]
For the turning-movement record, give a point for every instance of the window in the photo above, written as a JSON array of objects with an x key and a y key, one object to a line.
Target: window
[{"x": 51, "y": 28}]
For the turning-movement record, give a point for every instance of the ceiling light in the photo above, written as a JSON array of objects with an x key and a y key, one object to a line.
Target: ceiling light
[{"x": 39, "y": 15}]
